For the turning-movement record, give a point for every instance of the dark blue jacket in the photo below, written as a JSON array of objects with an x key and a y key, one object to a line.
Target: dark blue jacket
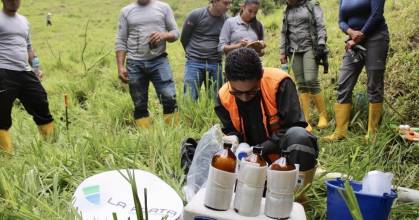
[{"x": 366, "y": 16}]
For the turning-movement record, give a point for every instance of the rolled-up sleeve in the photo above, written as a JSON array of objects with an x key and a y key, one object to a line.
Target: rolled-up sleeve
[
  {"x": 171, "y": 25},
  {"x": 122, "y": 34},
  {"x": 225, "y": 36},
  {"x": 320, "y": 25}
]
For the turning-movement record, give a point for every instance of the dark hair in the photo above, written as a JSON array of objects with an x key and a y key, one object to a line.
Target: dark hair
[
  {"x": 254, "y": 23},
  {"x": 243, "y": 64}
]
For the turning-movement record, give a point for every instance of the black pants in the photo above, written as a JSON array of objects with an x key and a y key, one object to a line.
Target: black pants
[{"x": 26, "y": 87}]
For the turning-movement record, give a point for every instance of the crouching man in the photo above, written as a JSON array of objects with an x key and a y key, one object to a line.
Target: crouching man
[{"x": 261, "y": 107}]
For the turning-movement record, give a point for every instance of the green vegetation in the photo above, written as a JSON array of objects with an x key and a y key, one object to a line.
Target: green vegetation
[{"x": 38, "y": 182}]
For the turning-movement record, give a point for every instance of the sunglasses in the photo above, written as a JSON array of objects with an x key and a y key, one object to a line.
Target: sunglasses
[{"x": 252, "y": 92}]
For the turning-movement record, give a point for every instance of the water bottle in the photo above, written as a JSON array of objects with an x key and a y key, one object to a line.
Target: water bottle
[
  {"x": 284, "y": 67},
  {"x": 36, "y": 65}
]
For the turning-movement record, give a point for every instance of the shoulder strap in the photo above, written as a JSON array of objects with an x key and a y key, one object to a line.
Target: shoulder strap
[{"x": 313, "y": 30}]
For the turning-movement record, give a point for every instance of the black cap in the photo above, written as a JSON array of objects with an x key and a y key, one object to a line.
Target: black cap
[
  {"x": 257, "y": 149},
  {"x": 228, "y": 145}
]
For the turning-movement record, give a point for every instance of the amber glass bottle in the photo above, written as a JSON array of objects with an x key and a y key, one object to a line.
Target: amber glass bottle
[
  {"x": 283, "y": 164},
  {"x": 256, "y": 156},
  {"x": 225, "y": 159}
]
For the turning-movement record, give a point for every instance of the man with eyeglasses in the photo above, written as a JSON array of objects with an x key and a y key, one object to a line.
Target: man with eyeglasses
[
  {"x": 200, "y": 38},
  {"x": 261, "y": 107},
  {"x": 144, "y": 28}
]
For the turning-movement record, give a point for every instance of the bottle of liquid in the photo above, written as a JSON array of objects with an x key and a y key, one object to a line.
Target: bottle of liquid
[
  {"x": 250, "y": 184},
  {"x": 36, "y": 64},
  {"x": 221, "y": 179},
  {"x": 225, "y": 159},
  {"x": 282, "y": 164},
  {"x": 284, "y": 67},
  {"x": 243, "y": 151},
  {"x": 282, "y": 180},
  {"x": 256, "y": 157}
]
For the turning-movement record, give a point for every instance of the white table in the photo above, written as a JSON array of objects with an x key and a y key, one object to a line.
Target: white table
[{"x": 196, "y": 208}]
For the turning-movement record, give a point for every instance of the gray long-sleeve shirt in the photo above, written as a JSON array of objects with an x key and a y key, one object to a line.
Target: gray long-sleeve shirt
[
  {"x": 14, "y": 42},
  {"x": 201, "y": 34},
  {"x": 299, "y": 36},
  {"x": 235, "y": 30},
  {"x": 136, "y": 23}
]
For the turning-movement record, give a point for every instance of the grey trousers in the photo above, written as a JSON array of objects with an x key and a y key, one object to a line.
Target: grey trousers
[
  {"x": 306, "y": 71},
  {"x": 375, "y": 63}
]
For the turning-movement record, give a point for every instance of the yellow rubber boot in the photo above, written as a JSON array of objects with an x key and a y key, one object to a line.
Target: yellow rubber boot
[
  {"x": 305, "y": 99},
  {"x": 374, "y": 115},
  {"x": 321, "y": 108},
  {"x": 46, "y": 130},
  {"x": 5, "y": 141},
  {"x": 342, "y": 115},
  {"x": 143, "y": 122},
  {"x": 171, "y": 119},
  {"x": 304, "y": 179}
]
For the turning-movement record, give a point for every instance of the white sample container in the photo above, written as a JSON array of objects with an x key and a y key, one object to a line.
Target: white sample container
[
  {"x": 249, "y": 191},
  {"x": 196, "y": 210},
  {"x": 220, "y": 187},
  {"x": 280, "y": 193}
]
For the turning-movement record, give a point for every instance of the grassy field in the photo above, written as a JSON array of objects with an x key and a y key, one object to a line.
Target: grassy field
[{"x": 38, "y": 182}]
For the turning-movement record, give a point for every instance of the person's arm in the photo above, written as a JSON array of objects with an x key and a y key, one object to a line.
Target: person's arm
[
  {"x": 288, "y": 103},
  {"x": 171, "y": 26},
  {"x": 188, "y": 28},
  {"x": 121, "y": 47},
  {"x": 225, "y": 39},
  {"x": 172, "y": 32},
  {"x": 120, "y": 61},
  {"x": 224, "y": 116},
  {"x": 32, "y": 55},
  {"x": 290, "y": 115},
  {"x": 283, "y": 42},
  {"x": 376, "y": 16},
  {"x": 320, "y": 25},
  {"x": 344, "y": 26}
]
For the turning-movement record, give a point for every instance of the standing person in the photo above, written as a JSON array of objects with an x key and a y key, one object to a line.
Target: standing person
[
  {"x": 18, "y": 80},
  {"x": 49, "y": 19},
  {"x": 363, "y": 21},
  {"x": 303, "y": 37},
  {"x": 200, "y": 37},
  {"x": 144, "y": 28},
  {"x": 243, "y": 29},
  {"x": 261, "y": 107}
]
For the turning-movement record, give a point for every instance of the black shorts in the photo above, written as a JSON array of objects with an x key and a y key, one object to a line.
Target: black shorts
[{"x": 25, "y": 86}]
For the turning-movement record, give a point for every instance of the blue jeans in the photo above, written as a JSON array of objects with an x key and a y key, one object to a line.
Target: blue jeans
[
  {"x": 158, "y": 71},
  {"x": 197, "y": 73}
]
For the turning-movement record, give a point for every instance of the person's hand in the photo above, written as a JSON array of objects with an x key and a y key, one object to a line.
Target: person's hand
[
  {"x": 270, "y": 151},
  {"x": 233, "y": 140},
  {"x": 350, "y": 44},
  {"x": 356, "y": 36},
  {"x": 283, "y": 58},
  {"x": 123, "y": 74},
  {"x": 321, "y": 49},
  {"x": 244, "y": 43},
  {"x": 263, "y": 44},
  {"x": 157, "y": 37},
  {"x": 39, "y": 74}
]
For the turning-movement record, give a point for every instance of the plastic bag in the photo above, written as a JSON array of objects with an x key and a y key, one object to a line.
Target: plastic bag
[
  {"x": 209, "y": 144},
  {"x": 377, "y": 183}
]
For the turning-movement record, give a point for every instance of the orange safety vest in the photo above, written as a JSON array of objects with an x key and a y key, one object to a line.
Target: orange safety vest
[{"x": 270, "y": 82}]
